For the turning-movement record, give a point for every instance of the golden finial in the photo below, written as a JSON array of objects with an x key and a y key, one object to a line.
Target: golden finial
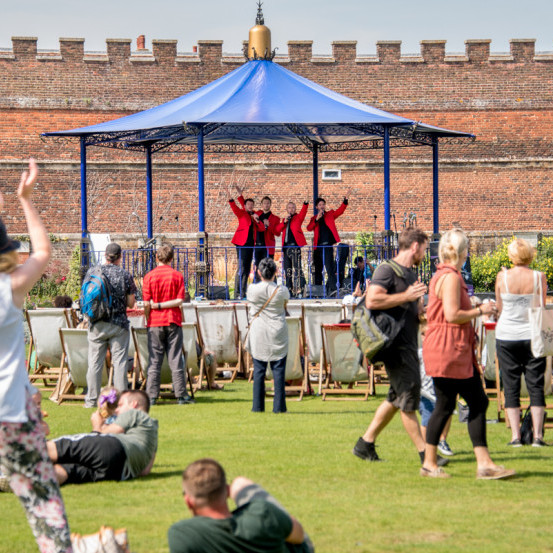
[{"x": 259, "y": 43}]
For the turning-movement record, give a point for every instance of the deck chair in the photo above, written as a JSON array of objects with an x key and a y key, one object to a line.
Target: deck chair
[
  {"x": 294, "y": 308},
  {"x": 344, "y": 362},
  {"x": 74, "y": 365},
  {"x": 294, "y": 369},
  {"x": 44, "y": 325},
  {"x": 194, "y": 363},
  {"x": 189, "y": 313},
  {"x": 220, "y": 336},
  {"x": 314, "y": 315},
  {"x": 243, "y": 322},
  {"x": 142, "y": 359}
]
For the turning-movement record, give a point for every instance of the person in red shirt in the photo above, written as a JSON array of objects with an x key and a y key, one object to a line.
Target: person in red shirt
[
  {"x": 292, "y": 240},
  {"x": 265, "y": 241},
  {"x": 244, "y": 239},
  {"x": 163, "y": 294},
  {"x": 325, "y": 236}
]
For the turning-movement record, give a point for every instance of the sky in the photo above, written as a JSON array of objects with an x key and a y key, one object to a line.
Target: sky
[{"x": 321, "y": 21}]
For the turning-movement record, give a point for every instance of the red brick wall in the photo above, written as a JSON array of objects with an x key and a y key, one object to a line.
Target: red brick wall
[{"x": 500, "y": 182}]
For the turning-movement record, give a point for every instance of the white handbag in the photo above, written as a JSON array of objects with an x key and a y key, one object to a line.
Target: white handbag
[{"x": 541, "y": 326}]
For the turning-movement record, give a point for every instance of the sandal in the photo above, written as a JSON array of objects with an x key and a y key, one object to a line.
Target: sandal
[
  {"x": 494, "y": 473},
  {"x": 438, "y": 472}
]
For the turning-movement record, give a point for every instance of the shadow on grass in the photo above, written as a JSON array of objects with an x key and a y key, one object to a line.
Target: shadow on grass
[{"x": 157, "y": 475}]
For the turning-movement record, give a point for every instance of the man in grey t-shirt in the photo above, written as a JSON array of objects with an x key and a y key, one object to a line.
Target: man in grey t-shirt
[{"x": 121, "y": 450}]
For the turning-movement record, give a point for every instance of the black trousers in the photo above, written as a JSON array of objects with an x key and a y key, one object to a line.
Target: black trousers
[
  {"x": 323, "y": 256},
  {"x": 471, "y": 390},
  {"x": 291, "y": 263},
  {"x": 260, "y": 252},
  {"x": 244, "y": 255}
]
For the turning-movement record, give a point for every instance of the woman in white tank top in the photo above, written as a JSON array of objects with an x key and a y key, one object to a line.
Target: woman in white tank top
[
  {"x": 24, "y": 461},
  {"x": 516, "y": 290}
]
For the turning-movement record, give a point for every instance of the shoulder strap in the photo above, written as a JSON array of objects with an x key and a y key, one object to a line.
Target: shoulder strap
[
  {"x": 396, "y": 267},
  {"x": 505, "y": 279},
  {"x": 259, "y": 312},
  {"x": 538, "y": 288}
]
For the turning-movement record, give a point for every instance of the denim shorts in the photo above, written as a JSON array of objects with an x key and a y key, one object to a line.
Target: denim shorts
[{"x": 426, "y": 407}]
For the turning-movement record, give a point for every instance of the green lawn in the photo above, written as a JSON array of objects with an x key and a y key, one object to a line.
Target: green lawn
[{"x": 304, "y": 459}]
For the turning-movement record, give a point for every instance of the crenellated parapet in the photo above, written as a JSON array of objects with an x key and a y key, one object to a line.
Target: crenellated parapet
[{"x": 165, "y": 52}]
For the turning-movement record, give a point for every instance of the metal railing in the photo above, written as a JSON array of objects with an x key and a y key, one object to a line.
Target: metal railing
[{"x": 304, "y": 270}]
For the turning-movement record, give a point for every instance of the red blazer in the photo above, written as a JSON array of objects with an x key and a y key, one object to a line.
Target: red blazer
[
  {"x": 271, "y": 231},
  {"x": 244, "y": 221},
  {"x": 330, "y": 218},
  {"x": 295, "y": 226}
]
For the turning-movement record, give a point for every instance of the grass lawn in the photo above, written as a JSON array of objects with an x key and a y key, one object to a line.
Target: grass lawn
[{"x": 304, "y": 459}]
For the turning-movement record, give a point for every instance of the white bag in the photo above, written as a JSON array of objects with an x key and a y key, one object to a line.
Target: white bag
[{"x": 541, "y": 326}]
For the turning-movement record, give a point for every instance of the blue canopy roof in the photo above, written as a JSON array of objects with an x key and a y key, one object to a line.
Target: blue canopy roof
[{"x": 260, "y": 102}]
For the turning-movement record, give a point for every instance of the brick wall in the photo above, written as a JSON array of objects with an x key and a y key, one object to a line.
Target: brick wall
[{"x": 499, "y": 183}]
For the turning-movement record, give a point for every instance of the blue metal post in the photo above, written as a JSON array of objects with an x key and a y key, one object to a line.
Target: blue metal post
[
  {"x": 84, "y": 214},
  {"x": 435, "y": 188},
  {"x": 386, "y": 179},
  {"x": 201, "y": 191},
  {"x": 315, "y": 174},
  {"x": 149, "y": 207}
]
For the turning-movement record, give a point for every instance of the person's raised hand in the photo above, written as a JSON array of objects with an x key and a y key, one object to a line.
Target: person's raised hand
[
  {"x": 239, "y": 190},
  {"x": 415, "y": 291},
  {"x": 27, "y": 182}
]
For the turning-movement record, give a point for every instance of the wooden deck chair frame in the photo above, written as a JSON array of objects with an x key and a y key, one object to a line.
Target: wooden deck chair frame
[
  {"x": 65, "y": 388},
  {"x": 201, "y": 372},
  {"x": 48, "y": 375},
  {"x": 165, "y": 389},
  {"x": 246, "y": 358},
  {"x": 319, "y": 369},
  {"x": 235, "y": 332},
  {"x": 293, "y": 362},
  {"x": 326, "y": 360}
]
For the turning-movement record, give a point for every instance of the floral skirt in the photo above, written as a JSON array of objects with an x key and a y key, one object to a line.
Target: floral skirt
[{"x": 24, "y": 461}]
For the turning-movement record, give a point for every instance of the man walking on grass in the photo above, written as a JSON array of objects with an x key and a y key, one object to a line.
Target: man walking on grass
[{"x": 401, "y": 298}]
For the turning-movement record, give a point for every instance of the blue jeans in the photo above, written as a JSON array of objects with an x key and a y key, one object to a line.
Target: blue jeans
[{"x": 259, "y": 370}]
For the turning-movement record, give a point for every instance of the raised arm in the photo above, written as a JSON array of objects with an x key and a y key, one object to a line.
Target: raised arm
[
  {"x": 25, "y": 276},
  {"x": 303, "y": 212},
  {"x": 341, "y": 209}
]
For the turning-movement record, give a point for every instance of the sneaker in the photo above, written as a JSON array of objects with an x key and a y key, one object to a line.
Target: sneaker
[
  {"x": 365, "y": 450},
  {"x": 444, "y": 449},
  {"x": 441, "y": 461},
  {"x": 436, "y": 473},
  {"x": 494, "y": 473},
  {"x": 538, "y": 442},
  {"x": 515, "y": 443},
  {"x": 185, "y": 400}
]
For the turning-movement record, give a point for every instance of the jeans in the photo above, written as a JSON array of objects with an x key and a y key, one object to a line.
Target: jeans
[
  {"x": 101, "y": 335},
  {"x": 161, "y": 340},
  {"x": 259, "y": 370}
]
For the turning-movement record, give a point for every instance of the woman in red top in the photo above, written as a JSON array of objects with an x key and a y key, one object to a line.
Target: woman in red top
[{"x": 448, "y": 353}]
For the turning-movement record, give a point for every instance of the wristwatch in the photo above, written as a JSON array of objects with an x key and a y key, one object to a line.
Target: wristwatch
[{"x": 159, "y": 305}]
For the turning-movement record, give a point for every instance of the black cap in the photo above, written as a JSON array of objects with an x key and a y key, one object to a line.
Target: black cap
[
  {"x": 113, "y": 250},
  {"x": 6, "y": 243}
]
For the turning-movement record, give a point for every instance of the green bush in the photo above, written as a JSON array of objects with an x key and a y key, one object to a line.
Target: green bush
[
  {"x": 364, "y": 242},
  {"x": 486, "y": 267},
  {"x": 72, "y": 285}
]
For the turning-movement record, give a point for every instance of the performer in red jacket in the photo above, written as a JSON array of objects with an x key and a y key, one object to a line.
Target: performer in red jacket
[
  {"x": 292, "y": 240},
  {"x": 325, "y": 236},
  {"x": 265, "y": 241},
  {"x": 244, "y": 240}
]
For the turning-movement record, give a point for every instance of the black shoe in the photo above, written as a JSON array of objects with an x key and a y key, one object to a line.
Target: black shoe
[
  {"x": 185, "y": 400},
  {"x": 538, "y": 442},
  {"x": 365, "y": 450},
  {"x": 441, "y": 462}
]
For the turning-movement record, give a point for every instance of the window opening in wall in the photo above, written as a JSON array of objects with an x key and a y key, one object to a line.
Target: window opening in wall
[{"x": 332, "y": 174}]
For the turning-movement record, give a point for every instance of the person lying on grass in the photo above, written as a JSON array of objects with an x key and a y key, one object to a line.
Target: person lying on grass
[
  {"x": 258, "y": 525},
  {"x": 121, "y": 450}
]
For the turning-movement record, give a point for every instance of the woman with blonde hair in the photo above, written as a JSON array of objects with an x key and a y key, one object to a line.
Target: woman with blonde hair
[
  {"x": 24, "y": 461},
  {"x": 516, "y": 290},
  {"x": 449, "y": 357}
]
